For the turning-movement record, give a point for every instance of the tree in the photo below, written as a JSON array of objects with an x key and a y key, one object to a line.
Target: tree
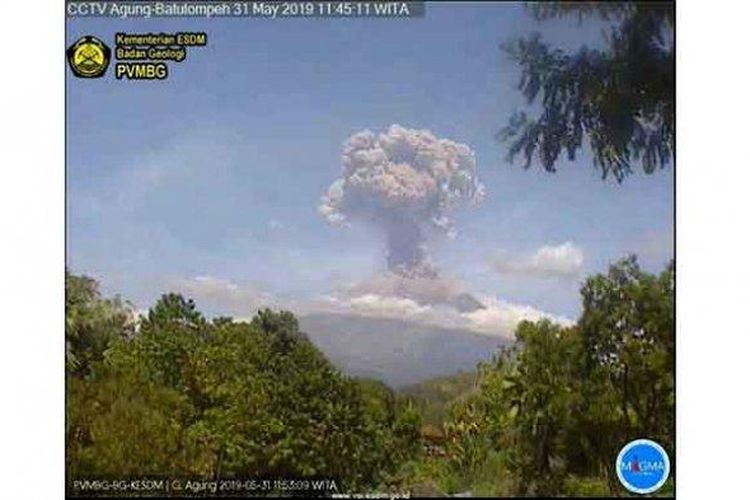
[
  {"x": 562, "y": 401},
  {"x": 185, "y": 396},
  {"x": 627, "y": 327},
  {"x": 526, "y": 404},
  {"x": 121, "y": 425},
  {"x": 620, "y": 98},
  {"x": 91, "y": 323}
]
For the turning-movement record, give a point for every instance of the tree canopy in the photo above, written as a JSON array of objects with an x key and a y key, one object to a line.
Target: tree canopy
[
  {"x": 175, "y": 394},
  {"x": 184, "y": 396},
  {"x": 559, "y": 405},
  {"x": 621, "y": 98}
]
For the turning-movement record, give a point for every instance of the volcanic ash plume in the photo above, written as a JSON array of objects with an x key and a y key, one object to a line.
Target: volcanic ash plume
[{"x": 404, "y": 181}]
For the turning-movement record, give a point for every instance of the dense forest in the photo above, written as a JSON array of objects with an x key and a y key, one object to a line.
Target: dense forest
[{"x": 174, "y": 394}]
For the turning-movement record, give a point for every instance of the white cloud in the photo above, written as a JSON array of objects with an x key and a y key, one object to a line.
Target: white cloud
[
  {"x": 378, "y": 305},
  {"x": 224, "y": 295},
  {"x": 498, "y": 318},
  {"x": 424, "y": 302},
  {"x": 549, "y": 261},
  {"x": 501, "y": 318}
]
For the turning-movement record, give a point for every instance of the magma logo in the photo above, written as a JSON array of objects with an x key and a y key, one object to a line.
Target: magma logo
[{"x": 642, "y": 466}]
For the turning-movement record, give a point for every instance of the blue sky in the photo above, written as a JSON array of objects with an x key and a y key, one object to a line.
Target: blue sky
[{"x": 218, "y": 170}]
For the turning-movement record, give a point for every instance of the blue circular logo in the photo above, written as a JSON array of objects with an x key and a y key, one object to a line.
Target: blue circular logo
[{"x": 642, "y": 466}]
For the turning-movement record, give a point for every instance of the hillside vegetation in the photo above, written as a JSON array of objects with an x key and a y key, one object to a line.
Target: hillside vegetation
[
  {"x": 435, "y": 397},
  {"x": 174, "y": 394}
]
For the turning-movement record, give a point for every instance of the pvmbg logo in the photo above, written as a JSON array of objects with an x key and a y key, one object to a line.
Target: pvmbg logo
[
  {"x": 88, "y": 57},
  {"x": 642, "y": 466}
]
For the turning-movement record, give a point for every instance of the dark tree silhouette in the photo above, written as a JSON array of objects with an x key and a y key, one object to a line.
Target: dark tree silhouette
[{"x": 621, "y": 98}]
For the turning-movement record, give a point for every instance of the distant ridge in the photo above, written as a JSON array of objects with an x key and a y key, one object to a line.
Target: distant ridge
[{"x": 395, "y": 351}]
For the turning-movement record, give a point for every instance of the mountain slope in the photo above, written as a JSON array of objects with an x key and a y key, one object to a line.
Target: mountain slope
[{"x": 395, "y": 351}]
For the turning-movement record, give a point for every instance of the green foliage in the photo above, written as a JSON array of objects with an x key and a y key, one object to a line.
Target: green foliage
[
  {"x": 91, "y": 323},
  {"x": 550, "y": 413},
  {"x": 378, "y": 399},
  {"x": 185, "y": 396},
  {"x": 435, "y": 396},
  {"x": 585, "y": 487},
  {"x": 188, "y": 396},
  {"x": 116, "y": 428},
  {"x": 627, "y": 328},
  {"x": 407, "y": 441},
  {"x": 541, "y": 393},
  {"x": 621, "y": 98}
]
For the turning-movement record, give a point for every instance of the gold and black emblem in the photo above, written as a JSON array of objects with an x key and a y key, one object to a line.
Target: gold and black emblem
[{"x": 88, "y": 57}]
